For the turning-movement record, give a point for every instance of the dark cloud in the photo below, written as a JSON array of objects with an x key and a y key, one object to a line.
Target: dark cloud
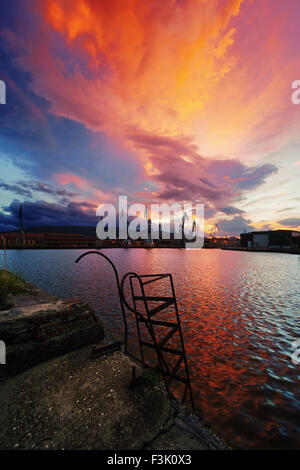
[
  {"x": 8, "y": 223},
  {"x": 16, "y": 189},
  {"x": 208, "y": 183},
  {"x": 230, "y": 210},
  {"x": 243, "y": 177},
  {"x": 209, "y": 212},
  {"x": 234, "y": 226},
  {"x": 25, "y": 188},
  {"x": 156, "y": 143},
  {"x": 290, "y": 222},
  {"x": 179, "y": 188},
  {"x": 183, "y": 174},
  {"x": 45, "y": 213},
  {"x": 47, "y": 188}
]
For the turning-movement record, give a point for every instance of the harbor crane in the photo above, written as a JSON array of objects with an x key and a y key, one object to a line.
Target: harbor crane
[{"x": 213, "y": 231}]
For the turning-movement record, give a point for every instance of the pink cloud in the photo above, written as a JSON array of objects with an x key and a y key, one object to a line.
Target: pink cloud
[
  {"x": 92, "y": 194},
  {"x": 181, "y": 173},
  {"x": 67, "y": 178}
]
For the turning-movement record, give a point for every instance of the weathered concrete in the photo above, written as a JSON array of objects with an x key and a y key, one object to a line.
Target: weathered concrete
[
  {"x": 39, "y": 327},
  {"x": 186, "y": 431},
  {"x": 75, "y": 402},
  {"x": 176, "y": 438}
]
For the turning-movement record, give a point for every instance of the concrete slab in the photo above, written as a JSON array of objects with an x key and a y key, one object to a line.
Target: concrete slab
[{"x": 75, "y": 402}]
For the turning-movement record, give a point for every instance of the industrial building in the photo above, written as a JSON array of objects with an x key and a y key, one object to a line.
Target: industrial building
[{"x": 273, "y": 239}]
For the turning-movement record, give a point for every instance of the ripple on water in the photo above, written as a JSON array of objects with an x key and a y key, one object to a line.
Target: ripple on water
[{"x": 240, "y": 315}]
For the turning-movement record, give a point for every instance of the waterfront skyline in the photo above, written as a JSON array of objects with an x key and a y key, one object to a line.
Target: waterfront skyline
[{"x": 185, "y": 101}]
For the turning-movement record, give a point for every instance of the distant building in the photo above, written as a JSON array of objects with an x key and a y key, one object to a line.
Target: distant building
[
  {"x": 28, "y": 240},
  {"x": 271, "y": 239},
  {"x": 47, "y": 240},
  {"x": 76, "y": 240}
]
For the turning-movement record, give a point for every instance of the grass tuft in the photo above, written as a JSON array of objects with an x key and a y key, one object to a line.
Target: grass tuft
[{"x": 10, "y": 284}]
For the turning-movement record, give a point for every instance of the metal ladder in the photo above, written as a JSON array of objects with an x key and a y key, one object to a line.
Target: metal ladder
[{"x": 149, "y": 317}]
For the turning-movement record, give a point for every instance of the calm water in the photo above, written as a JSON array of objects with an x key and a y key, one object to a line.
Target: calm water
[{"x": 240, "y": 313}]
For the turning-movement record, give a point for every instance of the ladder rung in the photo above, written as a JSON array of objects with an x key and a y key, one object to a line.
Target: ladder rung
[
  {"x": 150, "y": 277},
  {"x": 158, "y": 322},
  {"x": 156, "y": 279},
  {"x": 164, "y": 349},
  {"x": 168, "y": 336},
  {"x": 161, "y": 307},
  {"x": 180, "y": 379},
  {"x": 142, "y": 276},
  {"x": 153, "y": 298}
]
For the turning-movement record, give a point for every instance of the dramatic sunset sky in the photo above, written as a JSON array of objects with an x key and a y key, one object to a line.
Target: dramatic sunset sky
[{"x": 162, "y": 100}]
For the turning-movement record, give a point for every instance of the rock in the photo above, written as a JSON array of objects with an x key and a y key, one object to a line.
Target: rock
[{"x": 40, "y": 327}]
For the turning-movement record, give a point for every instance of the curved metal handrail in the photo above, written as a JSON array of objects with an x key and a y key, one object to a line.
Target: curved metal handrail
[
  {"x": 133, "y": 274},
  {"x": 119, "y": 289}
]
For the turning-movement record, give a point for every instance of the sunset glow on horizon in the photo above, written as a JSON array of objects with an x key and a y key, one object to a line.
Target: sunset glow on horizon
[{"x": 176, "y": 100}]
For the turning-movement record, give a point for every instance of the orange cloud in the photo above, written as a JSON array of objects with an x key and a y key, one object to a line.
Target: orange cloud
[
  {"x": 156, "y": 64},
  {"x": 219, "y": 71}
]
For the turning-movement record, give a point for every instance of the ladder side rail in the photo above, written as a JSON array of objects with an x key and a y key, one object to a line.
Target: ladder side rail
[
  {"x": 136, "y": 319},
  {"x": 119, "y": 290},
  {"x": 161, "y": 359},
  {"x": 149, "y": 326},
  {"x": 182, "y": 344}
]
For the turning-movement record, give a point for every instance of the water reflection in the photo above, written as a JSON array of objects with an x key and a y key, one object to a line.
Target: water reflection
[{"x": 240, "y": 315}]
